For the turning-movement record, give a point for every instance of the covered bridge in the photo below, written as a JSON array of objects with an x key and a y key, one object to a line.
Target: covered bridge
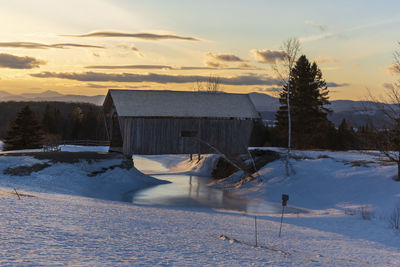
[{"x": 175, "y": 122}]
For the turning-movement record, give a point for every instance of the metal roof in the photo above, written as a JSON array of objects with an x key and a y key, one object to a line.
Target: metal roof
[{"x": 153, "y": 103}]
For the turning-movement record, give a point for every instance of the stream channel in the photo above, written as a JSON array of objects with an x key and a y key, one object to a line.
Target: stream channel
[{"x": 192, "y": 191}]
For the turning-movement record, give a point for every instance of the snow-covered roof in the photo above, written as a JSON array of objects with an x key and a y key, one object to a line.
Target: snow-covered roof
[{"x": 152, "y": 103}]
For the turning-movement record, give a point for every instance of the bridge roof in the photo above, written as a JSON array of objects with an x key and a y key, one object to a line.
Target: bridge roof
[{"x": 153, "y": 103}]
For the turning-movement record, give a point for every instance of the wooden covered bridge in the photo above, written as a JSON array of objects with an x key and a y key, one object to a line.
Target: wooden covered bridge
[{"x": 176, "y": 122}]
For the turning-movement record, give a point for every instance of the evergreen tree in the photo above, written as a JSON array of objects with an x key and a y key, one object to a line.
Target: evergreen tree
[
  {"x": 308, "y": 97},
  {"x": 259, "y": 135},
  {"x": 52, "y": 120},
  {"x": 346, "y": 137},
  {"x": 76, "y": 120},
  {"x": 24, "y": 131},
  {"x": 89, "y": 125}
]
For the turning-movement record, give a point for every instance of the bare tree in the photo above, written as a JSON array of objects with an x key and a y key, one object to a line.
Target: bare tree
[
  {"x": 283, "y": 69},
  {"x": 212, "y": 84},
  {"x": 388, "y": 133}
]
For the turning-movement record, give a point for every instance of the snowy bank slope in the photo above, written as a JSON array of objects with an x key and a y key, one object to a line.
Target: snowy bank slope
[
  {"x": 52, "y": 229},
  {"x": 324, "y": 181},
  {"x": 75, "y": 178},
  {"x": 156, "y": 164},
  {"x": 68, "y": 229}
]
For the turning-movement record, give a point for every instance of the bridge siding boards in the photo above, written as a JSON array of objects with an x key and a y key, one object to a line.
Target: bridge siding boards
[{"x": 149, "y": 135}]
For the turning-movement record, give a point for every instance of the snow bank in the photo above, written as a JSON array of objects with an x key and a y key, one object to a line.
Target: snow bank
[
  {"x": 52, "y": 229},
  {"x": 66, "y": 148},
  {"x": 68, "y": 229},
  {"x": 84, "y": 148},
  {"x": 176, "y": 164},
  {"x": 115, "y": 183},
  {"x": 328, "y": 181}
]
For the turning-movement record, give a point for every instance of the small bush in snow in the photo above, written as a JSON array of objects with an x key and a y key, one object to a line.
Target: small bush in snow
[
  {"x": 323, "y": 156},
  {"x": 349, "y": 211},
  {"x": 366, "y": 213},
  {"x": 394, "y": 218}
]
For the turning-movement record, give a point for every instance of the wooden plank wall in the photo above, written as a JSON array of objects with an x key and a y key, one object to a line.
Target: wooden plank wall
[{"x": 152, "y": 136}]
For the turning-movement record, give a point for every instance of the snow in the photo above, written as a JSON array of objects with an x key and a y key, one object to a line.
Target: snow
[
  {"x": 74, "y": 219},
  {"x": 155, "y": 164},
  {"x": 73, "y": 179},
  {"x": 66, "y": 148}
]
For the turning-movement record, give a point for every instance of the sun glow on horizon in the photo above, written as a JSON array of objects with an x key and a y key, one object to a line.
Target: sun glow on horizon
[{"x": 61, "y": 46}]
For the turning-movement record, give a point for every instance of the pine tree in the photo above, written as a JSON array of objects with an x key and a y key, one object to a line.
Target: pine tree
[
  {"x": 24, "y": 131},
  {"x": 52, "y": 120},
  {"x": 89, "y": 125},
  {"x": 308, "y": 97},
  {"x": 346, "y": 137},
  {"x": 76, "y": 120}
]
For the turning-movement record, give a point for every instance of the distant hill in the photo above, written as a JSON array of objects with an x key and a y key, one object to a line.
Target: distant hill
[
  {"x": 9, "y": 109},
  {"x": 52, "y": 96},
  {"x": 355, "y": 112}
]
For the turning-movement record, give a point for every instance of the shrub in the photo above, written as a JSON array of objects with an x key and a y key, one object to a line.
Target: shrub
[{"x": 394, "y": 219}]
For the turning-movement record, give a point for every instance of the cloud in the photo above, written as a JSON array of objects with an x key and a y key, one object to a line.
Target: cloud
[
  {"x": 30, "y": 45},
  {"x": 134, "y": 48},
  {"x": 319, "y": 36},
  {"x": 321, "y": 27},
  {"x": 143, "y": 67},
  {"x": 250, "y": 79},
  {"x": 388, "y": 86},
  {"x": 333, "y": 84},
  {"x": 393, "y": 69},
  {"x": 102, "y": 86},
  {"x": 219, "y": 60},
  {"x": 16, "y": 62},
  {"x": 145, "y": 36},
  {"x": 215, "y": 64},
  {"x": 326, "y": 60},
  {"x": 268, "y": 56},
  {"x": 269, "y": 89},
  {"x": 169, "y": 67},
  {"x": 339, "y": 32},
  {"x": 224, "y": 57},
  {"x": 247, "y": 66}
]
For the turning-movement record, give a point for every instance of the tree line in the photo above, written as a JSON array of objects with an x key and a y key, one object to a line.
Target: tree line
[
  {"x": 309, "y": 109},
  {"x": 36, "y": 123}
]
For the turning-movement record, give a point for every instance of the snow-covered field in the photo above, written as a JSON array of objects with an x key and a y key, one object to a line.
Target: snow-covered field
[{"x": 74, "y": 219}]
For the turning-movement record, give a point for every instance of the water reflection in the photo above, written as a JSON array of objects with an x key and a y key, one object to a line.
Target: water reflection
[{"x": 191, "y": 191}]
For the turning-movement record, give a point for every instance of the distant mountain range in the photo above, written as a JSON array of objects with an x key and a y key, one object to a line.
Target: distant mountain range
[
  {"x": 353, "y": 111},
  {"x": 51, "y": 96}
]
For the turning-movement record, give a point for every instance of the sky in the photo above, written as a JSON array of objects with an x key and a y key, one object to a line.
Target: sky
[{"x": 87, "y": 47}]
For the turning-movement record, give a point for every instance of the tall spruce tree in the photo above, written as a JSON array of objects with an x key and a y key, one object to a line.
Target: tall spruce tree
[
  {"x": 24, "y": 131},
  {"x": 346, "y": 137},
  {"x": 308, "y": 97},
  {"x": 51, "y": 121}
]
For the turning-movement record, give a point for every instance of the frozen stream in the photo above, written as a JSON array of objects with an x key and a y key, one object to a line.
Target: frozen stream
[{"x": 191, "y": 191}]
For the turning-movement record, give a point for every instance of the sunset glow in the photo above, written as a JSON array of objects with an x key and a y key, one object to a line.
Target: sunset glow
[{"x": 86, "y": 47}]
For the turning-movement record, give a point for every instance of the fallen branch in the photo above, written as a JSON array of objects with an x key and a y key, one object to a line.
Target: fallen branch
[{"x": 17, "y": 194}]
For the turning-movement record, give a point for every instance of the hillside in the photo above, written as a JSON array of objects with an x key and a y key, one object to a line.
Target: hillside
[
  {"x": 8, "y": 111},
  {"x": 346, "y": 199},
  {"x": 353, "y": 111},
  {"x": 51, "y": 96}
]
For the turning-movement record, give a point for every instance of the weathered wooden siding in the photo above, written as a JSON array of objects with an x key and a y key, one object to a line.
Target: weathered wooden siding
[{"x": 148, "y": 136}]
